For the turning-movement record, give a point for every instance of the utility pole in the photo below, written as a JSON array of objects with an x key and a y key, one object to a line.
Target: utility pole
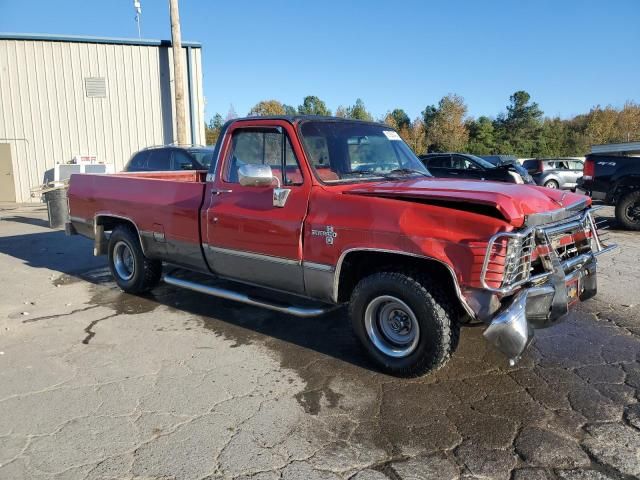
[{"x": 178, "y": 73}]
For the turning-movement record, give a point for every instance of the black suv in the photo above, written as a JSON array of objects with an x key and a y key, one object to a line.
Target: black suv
[
  {"x": 169, "y": 158},
  {"x": 616, "y": 181},
  {"x": 464, "y": 165}
]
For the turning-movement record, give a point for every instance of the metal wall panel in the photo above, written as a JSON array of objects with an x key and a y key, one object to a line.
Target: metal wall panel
[{"x": 47, "y": 117}]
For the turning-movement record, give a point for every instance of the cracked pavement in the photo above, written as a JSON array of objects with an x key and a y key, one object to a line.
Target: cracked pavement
[{"x": 98, "y": 384}]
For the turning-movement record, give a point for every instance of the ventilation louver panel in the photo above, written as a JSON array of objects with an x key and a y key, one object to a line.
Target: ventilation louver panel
[{"x": 96, "y": 87}]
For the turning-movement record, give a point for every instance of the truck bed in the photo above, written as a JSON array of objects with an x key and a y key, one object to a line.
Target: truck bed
[{"x": 164, "y": 207}]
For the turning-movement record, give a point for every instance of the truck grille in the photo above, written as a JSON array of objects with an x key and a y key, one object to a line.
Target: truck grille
[{"x": 512, "y": 259}]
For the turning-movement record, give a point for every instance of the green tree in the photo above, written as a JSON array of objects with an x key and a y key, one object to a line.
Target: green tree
[
  {"x": 357, "y": 111},
  {"x": 553, "y": 139},
  {"x": 312, "y": 105},
  {"x": 445, "y": 125},
  {"x": 428, "y": 114},
  {"x": 482, "y": 139},
  {"x": 212, "y": 130},
  {"x": 398, "y": 119},
  {"x": 520, "y": 128},
  {"x": 289, "y": 109},
  {"x": 267, "y": 107}
]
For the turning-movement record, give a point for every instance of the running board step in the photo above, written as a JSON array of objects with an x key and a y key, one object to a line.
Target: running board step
[{"x": 304, "y": 312}]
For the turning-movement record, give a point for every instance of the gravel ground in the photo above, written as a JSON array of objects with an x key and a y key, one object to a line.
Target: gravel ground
[{"x": 98, "y": 384}]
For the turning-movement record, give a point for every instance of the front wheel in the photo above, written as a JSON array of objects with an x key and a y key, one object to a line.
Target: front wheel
[
  {"x": 628, "y": 210},
  {"x": 405, "y": 322},
  {"x": 132, "y": 271},
  {"x": 552, "y": 184}
]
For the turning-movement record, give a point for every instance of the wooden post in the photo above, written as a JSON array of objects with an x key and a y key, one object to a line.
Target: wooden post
[{"x": 178, "y": 73}]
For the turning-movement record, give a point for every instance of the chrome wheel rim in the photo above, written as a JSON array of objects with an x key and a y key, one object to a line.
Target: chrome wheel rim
[
  {"x": 633, "y": 212},
  {"x": 392, "y": 326},
  {"x": 123, "y": 261},
  {"x": 552, "y": 185}
]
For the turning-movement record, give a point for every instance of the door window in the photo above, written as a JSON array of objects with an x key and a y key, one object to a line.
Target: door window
[
  {"x": 462, "y": 163},
  {"x": 159, "y": 160},
  {"x": 576, "y": 165},
  {"x": 263, "y": 147},
  {"x": 182, "y": 161},
  {"x": 443, "y": 161}
]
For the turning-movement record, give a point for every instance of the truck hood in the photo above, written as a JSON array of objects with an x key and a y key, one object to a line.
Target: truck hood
[{"x": 518, "y": 204}]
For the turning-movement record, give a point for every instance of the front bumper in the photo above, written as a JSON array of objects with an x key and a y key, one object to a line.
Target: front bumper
[{"x": 540, "y": 306}]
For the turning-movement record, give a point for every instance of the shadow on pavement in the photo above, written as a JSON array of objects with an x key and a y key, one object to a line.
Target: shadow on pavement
[
  {"x": 39, "y": 222},
  {"x": 329, "y": 334}
]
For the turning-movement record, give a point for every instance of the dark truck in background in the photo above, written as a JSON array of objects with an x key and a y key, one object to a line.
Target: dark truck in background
[{"x": 615, "y": 180}]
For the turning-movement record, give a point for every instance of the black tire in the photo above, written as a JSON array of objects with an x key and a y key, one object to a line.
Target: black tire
[
  {"x": 433, "y": 309},
  {"x": 551, "y": 184},
  {"x": 624, "y": 207},
  {"x": 144, "y": 273}
]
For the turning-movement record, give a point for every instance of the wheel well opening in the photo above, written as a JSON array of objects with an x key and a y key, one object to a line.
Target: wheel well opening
[
  {"x": 107, "y": 223},
  {"x": 359, "y": 264}
]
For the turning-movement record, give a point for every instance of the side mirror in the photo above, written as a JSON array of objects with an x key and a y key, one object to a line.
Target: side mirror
[{"x": 252, "y": 175}]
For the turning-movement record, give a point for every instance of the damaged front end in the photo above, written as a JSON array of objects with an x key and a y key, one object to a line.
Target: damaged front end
[{"x": 532, "y": 277}]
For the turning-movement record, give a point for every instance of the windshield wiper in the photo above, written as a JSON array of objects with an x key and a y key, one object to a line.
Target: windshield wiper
[
  {"x": 408, "y": 171},
  {"x": 362, "y": 173},
  {"x": 390, "y": 175}
]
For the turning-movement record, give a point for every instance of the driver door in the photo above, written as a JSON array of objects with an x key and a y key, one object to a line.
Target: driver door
[{"x": 248, "y": 238}]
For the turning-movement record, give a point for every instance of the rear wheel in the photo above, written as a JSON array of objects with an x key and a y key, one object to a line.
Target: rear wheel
[
  {"x": 628, "y": 210},
  {"x": 405, "y": 322},
  {"x": 132, "y": 271},
  {"x": 551, "y": 184}
]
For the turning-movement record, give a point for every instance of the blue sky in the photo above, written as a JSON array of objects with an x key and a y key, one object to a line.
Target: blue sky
[{"x": 568, "y": 54}]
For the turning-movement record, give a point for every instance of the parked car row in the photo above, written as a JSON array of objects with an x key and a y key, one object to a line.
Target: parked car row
[{"x": 463, "y": 165}]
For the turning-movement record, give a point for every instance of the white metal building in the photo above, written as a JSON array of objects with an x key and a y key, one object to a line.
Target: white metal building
[{"x": 67, "y": 97}]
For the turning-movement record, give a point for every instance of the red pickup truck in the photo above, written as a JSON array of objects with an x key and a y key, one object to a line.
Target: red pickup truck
[{"x": 341, "y": 211}]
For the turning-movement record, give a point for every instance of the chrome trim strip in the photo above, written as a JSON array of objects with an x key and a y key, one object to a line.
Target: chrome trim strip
[
  {"x": 336, "y": 278},
  {"x": 318, "y": 266},
  {"x": 255, "y": 256},
  {"x": 86, "y": 221},
  {"x": 240, "y": 297}
]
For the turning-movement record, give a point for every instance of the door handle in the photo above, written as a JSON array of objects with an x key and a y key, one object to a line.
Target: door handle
[{"x": 216, "y": 191}]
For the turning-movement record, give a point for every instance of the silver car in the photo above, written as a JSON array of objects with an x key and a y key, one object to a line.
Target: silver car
[{"x": 555, "y": 172}]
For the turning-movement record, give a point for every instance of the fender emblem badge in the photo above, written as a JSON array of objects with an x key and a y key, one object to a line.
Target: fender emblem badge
[{"x": 328, "y": 234}]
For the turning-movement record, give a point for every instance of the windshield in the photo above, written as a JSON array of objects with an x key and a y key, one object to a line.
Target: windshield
[
  {"x": 203, "y": 156},
  {"x": 351, "y": 151},
  {"x": 482, "y": 162}
]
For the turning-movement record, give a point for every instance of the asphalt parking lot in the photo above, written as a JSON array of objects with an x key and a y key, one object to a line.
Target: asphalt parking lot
[{"x": 98, "y": 384}]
